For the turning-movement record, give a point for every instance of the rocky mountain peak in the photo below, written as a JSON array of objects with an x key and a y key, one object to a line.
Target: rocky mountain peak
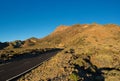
[{"x": 61, "y": 28}]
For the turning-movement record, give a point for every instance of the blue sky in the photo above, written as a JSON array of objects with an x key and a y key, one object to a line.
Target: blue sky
[{"x": 22, "y": 19}]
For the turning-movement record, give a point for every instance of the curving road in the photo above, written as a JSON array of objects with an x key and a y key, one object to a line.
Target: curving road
[{"x": 13, "y": 69}]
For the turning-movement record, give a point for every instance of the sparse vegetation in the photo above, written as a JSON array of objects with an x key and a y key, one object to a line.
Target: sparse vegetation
[
  {"x": 91, "y": 53},
  {"x": 74, "y": 77}
]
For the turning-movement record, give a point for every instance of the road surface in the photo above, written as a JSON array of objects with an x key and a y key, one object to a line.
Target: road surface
[{"x": 11, "y": 69}]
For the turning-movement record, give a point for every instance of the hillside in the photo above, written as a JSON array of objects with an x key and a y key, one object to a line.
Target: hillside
[
  {"x": 85, "y": 36},
  {"x": 64, "y": 36},
  {"x": 91, "y": 53}
]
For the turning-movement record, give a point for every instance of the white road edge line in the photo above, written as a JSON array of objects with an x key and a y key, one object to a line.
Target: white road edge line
[{"x": 26, "y": 70}]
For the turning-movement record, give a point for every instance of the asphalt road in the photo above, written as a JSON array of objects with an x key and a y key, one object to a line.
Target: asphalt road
[{"x": 12, "y": 69}]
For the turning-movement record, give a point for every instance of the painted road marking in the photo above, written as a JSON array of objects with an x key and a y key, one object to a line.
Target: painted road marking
[{"x": 27, "y": 70}]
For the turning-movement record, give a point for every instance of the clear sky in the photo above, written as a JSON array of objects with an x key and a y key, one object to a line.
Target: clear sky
[{"x": 22, "y": 19}]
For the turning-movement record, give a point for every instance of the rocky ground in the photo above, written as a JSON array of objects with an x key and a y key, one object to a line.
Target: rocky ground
[
  {"x": 69, "y": 66},
  {"x": 56, "y": 69},
  {"x": 91, "y": 53}
]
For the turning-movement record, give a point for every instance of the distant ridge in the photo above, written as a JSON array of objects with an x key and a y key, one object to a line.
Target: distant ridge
[{"x": 71, "y": 36}]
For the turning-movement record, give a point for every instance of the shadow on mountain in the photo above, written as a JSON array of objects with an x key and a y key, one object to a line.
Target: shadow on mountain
[
  {"x": 89, "y": 73},
  {"x": 3, "y": 45}
]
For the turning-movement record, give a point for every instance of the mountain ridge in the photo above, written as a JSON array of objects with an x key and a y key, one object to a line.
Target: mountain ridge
[
  {"x": 91, "y": 52},
  {"x": 62, "y": 34}
]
